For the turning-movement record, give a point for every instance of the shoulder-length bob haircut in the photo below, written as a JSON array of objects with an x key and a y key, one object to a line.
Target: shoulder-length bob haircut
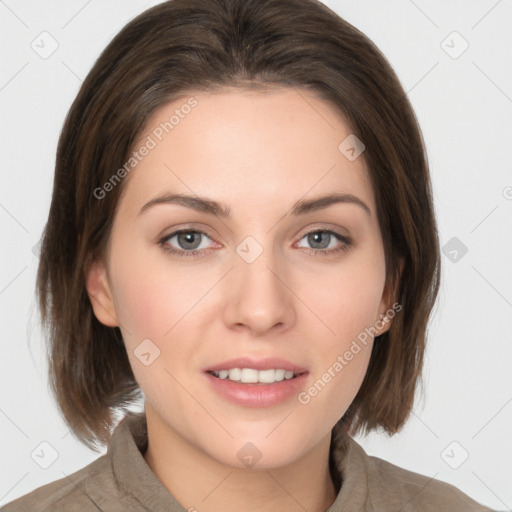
[{"x": 163, "y": 54}]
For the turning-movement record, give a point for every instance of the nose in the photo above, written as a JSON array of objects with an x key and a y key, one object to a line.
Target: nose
[{"x": 258, "y": 297}]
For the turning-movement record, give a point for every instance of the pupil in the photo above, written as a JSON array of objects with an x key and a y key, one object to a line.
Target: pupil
[
  {"x": 188, "y": 238},
  {"x": 316, "y": 238}
]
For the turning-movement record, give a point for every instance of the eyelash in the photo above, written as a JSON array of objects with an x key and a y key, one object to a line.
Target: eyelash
[{"x": 346, "y": 243}]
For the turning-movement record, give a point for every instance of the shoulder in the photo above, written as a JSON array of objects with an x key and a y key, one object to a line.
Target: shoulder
[
  {"x": 416, "y": 491},
  {"x": 83, "y": 490},
  {"x": 373, "y": 484}
]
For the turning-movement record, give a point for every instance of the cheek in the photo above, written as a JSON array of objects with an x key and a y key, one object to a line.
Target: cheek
[
  {"x": 143, "y": 295},
  {"x": 154, "y": 297},
  {"x": 139, "y": 308},
  {"x": 150, "y": 302},
  {"x": 347, "y": 300},
  {"x": 347, "y": 296}
]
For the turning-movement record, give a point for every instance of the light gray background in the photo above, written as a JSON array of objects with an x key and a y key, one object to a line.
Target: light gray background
[{"x": 464, "y": 106}]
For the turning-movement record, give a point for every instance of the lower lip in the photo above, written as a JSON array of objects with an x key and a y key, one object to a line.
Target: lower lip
[{"x": 257, "y": 395}]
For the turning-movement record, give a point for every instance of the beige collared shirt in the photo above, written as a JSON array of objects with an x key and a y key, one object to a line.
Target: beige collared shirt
[{"x": 122, "y": 481}]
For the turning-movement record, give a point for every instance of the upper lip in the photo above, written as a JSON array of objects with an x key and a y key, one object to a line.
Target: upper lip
[{"x": 257, "y": 364}]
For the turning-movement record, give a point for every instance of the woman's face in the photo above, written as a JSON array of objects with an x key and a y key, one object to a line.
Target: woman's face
[{"x": 257, "y": 284}]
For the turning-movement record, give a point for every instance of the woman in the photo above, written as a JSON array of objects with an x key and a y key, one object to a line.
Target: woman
[{"x": 242, "y": 233}]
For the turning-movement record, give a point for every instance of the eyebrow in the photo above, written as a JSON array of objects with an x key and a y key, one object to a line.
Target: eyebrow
[{"x": 301, "y": 207}]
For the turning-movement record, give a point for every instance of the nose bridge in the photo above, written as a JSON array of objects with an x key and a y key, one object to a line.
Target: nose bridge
[{"x": 258, "y": 299}]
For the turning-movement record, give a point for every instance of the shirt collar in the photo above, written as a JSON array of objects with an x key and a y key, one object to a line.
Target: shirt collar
[
  {"x": 350, "y": 462},
  {"x": 129, "y": 443}
]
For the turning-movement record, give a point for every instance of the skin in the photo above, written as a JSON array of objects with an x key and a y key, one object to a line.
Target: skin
[{"x": 258, "y": 153}]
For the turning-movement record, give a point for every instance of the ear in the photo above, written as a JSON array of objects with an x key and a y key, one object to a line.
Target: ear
[
  {"x": 100, "y": 295},
  {"x": 386, "y": 304}
]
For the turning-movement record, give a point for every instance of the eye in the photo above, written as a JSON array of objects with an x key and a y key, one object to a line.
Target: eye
[
  {"x": 188, "y": 239},
  {"x": 322, "y": 239}
]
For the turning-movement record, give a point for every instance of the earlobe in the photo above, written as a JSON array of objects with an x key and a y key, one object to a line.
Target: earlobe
[
  {"x": 383, "y": 322},
  {"x": 100, "y": 295}
]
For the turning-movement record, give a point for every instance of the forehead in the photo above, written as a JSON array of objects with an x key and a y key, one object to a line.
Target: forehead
[{"x": 247, "y": 148}]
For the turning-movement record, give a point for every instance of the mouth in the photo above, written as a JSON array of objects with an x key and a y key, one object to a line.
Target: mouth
[
  {"x": 253, "y": 370},
  {"x": 253, "y": 376},
  {"x": 249, "y": 387}
]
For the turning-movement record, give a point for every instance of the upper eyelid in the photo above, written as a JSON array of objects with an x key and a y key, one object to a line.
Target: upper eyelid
[{"x": 320, "y": 227}]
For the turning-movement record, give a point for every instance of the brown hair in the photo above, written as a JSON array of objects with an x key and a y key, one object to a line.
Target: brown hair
[{"x": 202, "y": 45}]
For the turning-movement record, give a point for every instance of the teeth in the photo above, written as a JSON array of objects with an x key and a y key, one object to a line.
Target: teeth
[{"x": 251, "y": 376}]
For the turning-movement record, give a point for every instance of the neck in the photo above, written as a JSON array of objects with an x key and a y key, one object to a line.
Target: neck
[{"x": 200, "y": 482}]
